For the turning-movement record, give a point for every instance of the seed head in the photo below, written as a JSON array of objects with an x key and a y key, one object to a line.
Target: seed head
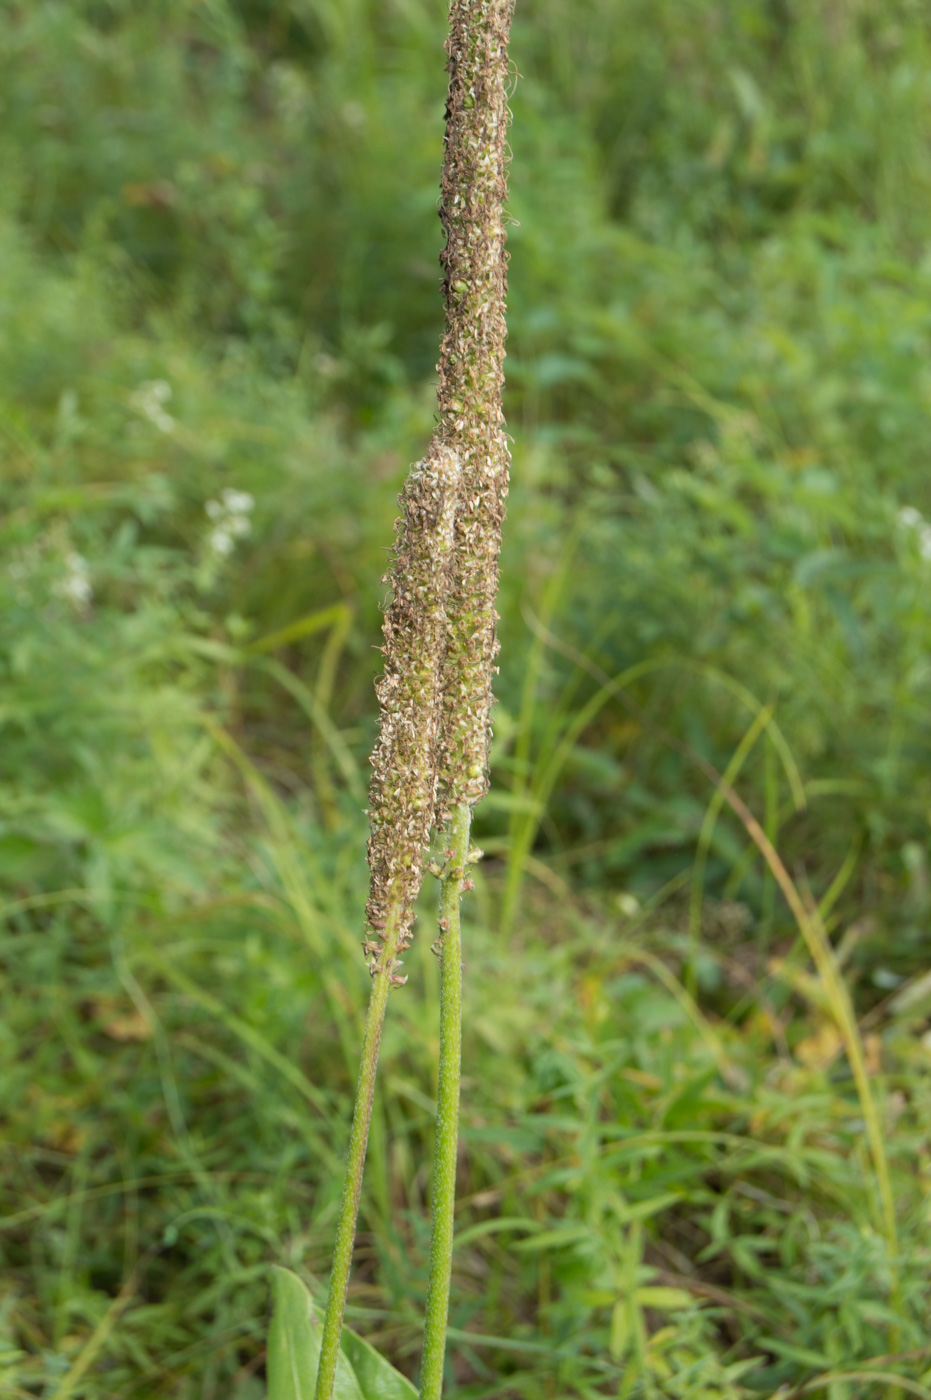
[
  {"x": 403, "y": 787},
  {"x": 440, "y": 641},
  {"x": 471, "y": 371}
]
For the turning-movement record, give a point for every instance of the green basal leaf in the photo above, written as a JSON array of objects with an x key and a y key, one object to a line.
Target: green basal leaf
[
  {"x": 294, "y": 1351},
  {"x": 378, "y": 1380},
  {"x": 294, "y": 1345}
]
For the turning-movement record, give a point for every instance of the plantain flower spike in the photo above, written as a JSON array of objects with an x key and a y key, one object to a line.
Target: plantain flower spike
[
  {"x": 440, "y": 627},
  {"x": 402, "y": 795},
  {"x": 430, "y": 762},
  {"x": 471, "y": 376}
]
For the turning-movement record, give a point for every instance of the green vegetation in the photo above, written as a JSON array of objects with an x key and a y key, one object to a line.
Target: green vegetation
[{"x": 220, "y": 316}]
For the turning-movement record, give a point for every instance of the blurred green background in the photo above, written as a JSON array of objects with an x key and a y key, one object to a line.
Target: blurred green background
[{"x": 219, "y": 316}]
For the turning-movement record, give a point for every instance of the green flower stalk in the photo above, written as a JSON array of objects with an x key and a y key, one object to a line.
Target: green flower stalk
[
  {"x": 430, "y": 765},
  {"x": 471, "y": 371},
  {"x": 402, "y": 801}
]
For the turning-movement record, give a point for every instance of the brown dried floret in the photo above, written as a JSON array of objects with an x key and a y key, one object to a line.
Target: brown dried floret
[{"x": 403, "y": 787}]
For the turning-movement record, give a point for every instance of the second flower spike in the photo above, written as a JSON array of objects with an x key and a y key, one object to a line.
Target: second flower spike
[{"x": 403, "y": 789}]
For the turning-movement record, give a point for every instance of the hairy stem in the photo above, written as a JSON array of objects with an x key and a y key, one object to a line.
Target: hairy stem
[
  {"x": 402, "y": 798},
  {"x": 447, "y": 1107},
  {"x": 358, "y": 1141}
]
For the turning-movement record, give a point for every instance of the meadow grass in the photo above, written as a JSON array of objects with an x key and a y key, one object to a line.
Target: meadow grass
[{"x": 218, "y": 274}]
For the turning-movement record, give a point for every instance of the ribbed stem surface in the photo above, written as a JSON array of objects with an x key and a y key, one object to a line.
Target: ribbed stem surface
[
  {"x": 447, "y": 1105},
  {"x": 358, "y": 1142}
]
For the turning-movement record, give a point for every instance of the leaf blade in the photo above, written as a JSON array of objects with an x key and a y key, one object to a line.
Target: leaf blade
[
  {"x": 378, "y": 1379},
  {"x": 294, "y": 1345},
  {"x": 294, "y": 1352}
]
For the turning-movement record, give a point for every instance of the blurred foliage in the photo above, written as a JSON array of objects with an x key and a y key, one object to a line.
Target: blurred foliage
[{"x": 219, "y": 295}]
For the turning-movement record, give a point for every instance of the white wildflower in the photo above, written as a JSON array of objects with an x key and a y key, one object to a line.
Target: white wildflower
[
  {"x": 150, "y": 399},
  {"x": 914, "y": 523},
  {"x": 237, "y": 502},
  {"x": 230, "y": 516},
  {"x": 75, "y": 587},
  {"x": 220, "y": 541}
]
